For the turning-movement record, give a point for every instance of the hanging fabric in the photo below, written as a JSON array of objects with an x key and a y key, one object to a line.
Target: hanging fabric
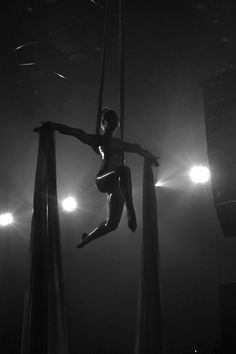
[
  {"x": 44, "y": 330},
  {"x": 122, "y": 65},
  {"x": 149, "y": 326},
  {"x": 104, "y": 54}
]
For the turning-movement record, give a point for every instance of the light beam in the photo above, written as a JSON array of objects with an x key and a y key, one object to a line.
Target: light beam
[{"x": 159, "y": 184}]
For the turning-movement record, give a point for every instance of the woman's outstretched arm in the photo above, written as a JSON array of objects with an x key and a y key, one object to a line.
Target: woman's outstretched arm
[
  {"x": 136, "y": 148},
  {"x": 80, "y": 134}
]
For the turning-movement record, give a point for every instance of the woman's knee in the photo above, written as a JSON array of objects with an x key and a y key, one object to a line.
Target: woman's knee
[{"x": 112, "y": 225}]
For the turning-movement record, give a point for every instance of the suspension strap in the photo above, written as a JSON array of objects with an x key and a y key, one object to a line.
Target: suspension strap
[
  {"x": 121, "y": 65},
  {"x": 104, "y": 54}
]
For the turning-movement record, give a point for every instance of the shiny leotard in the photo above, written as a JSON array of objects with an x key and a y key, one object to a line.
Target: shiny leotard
[{"x": 111, "y": 151}]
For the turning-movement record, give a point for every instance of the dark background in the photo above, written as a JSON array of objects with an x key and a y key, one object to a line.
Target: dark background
[{"x": 170, "y": 48}]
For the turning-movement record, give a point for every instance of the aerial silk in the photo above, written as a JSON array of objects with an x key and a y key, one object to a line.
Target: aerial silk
[
  {"x": 149, "y": 325},
  {"x": 44, "y": 330},
  {"x": 149, "y": 337}
]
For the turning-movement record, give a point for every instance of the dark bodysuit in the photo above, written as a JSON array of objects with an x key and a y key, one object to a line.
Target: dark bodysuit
[{"x": 111, "y": 151}]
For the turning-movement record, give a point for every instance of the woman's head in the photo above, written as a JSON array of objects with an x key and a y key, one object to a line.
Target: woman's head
[{"x": 110, "y": 120}]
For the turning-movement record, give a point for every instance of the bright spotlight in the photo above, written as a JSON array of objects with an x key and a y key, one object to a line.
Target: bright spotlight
[
  {"x": 199, "y": 174},
  {"x": 6, "y": 219},
  {"x": 159, "y": 184},
  {"x": 69, "y": 204}
]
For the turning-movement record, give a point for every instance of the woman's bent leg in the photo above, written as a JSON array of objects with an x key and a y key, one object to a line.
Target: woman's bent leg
[
  {"x": 126, "y": 187},
  {"x": 115, "y": 207}
]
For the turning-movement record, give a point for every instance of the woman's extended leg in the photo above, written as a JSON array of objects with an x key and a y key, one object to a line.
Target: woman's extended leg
[
  {"x": 115, "y": 207},
  {"x": 126, "y": 187}
]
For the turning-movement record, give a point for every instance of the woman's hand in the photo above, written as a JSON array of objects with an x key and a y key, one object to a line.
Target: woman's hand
[
  {"x": 49, "y": 125},
  {"x": 151, "y": 158}
]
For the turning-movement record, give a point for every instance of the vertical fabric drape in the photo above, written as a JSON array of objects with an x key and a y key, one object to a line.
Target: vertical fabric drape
[
  {"x": 122, "y": 65},
  {"x": 44, "y": 330},
  {"x": 149, "y": 327},
  {"x": 104, "y": 57}
]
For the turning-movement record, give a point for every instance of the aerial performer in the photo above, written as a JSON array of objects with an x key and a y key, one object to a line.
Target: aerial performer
[{"x": 113, "y": 177}]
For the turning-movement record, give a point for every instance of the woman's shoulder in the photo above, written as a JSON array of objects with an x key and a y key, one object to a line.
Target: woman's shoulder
[
  {"x": 118, "y": 140},
  {"x": 101, "y": 140},
  {"x": 98, "y": 140}
]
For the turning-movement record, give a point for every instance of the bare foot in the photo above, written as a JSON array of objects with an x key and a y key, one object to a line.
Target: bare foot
[
  {"x": 132, "y": 223},
  {"x": 83, "y": 242}
]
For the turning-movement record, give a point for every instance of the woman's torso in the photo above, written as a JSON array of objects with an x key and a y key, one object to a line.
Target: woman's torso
[{"x": 111, "y": 151}]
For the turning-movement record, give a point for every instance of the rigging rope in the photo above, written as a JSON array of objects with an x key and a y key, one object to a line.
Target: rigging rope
[
  {"x": 121, "y": 65},
  {"x": 149, "y": 338},
  {"x": 105, "y": 44}
]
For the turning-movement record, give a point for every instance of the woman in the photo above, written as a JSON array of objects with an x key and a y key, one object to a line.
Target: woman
[{"x": 113, "y": 178}]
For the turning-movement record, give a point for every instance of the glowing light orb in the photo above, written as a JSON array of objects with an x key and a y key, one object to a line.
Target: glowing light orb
[
  {"x": 159, "y": 184},
  {"x": 6, "y": 219},
  {"x": 69, "y": 204},
  {"x": 199, "y": 174}
]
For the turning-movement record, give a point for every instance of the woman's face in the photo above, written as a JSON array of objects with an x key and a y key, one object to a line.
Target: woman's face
[{"x": 108, "y": 125}]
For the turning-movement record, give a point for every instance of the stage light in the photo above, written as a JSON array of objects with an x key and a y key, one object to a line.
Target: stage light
[
  {"x": 6, "y": 219},
  {"x": 159, "y": 184},
  {"x": 69, "y": 204},
  {"x": 199, "y": 174}
]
